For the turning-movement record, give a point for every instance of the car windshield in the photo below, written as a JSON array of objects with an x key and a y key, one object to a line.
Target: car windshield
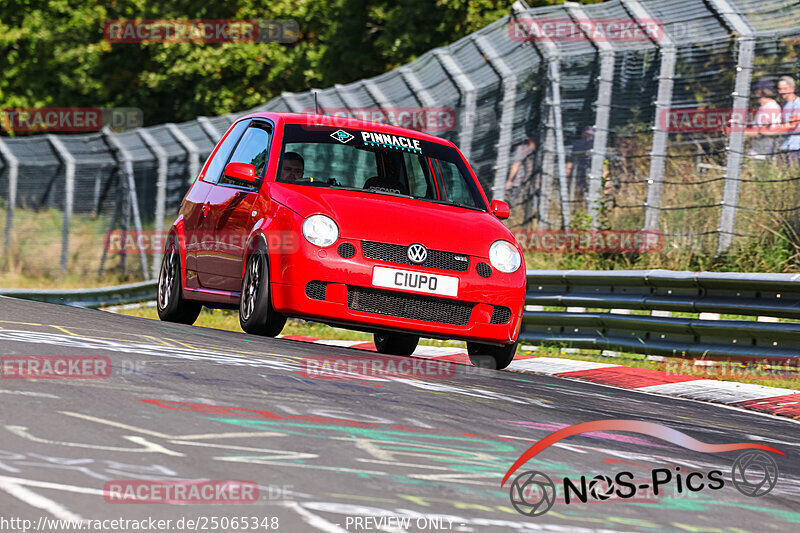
[{"x": 325, "y": 156}]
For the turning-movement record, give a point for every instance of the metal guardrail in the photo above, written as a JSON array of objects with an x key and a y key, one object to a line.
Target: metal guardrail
[
  {"x": 742, "y": 294},
  {"x": 601, "y": 298},
  {"x": 91, "y": 298}
]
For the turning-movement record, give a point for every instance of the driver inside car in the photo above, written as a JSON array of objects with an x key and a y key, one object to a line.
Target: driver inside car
[{"x": 292, "y": 167}]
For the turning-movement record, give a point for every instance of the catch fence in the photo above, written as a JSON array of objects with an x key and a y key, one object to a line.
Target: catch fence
[{"x": 631, "y": 132}]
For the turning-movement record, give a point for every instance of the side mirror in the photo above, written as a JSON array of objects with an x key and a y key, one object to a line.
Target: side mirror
[
  {"x": 241, "y": 171},
  {"x": 500, "y": 209}
]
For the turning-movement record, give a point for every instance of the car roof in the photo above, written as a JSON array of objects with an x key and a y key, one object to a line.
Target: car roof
[{"x": 349, "y": 123}]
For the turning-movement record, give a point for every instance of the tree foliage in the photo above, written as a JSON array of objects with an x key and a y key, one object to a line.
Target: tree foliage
[{"x": 53, "y": 52}]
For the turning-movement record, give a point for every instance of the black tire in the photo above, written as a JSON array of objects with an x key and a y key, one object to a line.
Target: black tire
[
  {"x": 256, "y": 314},
  {"x": 391, "y": 343},
  {"x": 491, "y": 356},
  {"x": 169, "y": 298}
]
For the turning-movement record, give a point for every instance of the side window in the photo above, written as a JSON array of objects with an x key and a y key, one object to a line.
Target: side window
[
  {"x": 418, "y": 184},
  {"x": 217, "y": 164},
  {"x": 253, "y": 149},
  {"x": 456, "y": 187}
]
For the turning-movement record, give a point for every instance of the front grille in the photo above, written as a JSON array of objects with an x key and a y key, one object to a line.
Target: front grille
[
  {"x": 409, "y": 306},
  {"x": 347, "y": 250},
  {"x": 501, "y": 315},
  {"x": 396, "y": 253},
  {"x": 484, "y": 270},
  {"x": 316, "y": 290}
]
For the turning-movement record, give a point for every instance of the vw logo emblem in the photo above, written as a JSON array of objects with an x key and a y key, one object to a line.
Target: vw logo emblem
[{"x": 417, "y": 253}]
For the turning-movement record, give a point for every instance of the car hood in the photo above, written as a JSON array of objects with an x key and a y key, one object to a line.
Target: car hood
[{"x": 384, "y": 218}]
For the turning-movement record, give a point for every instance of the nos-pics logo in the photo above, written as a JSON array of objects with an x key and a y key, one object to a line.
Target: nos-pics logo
[{"x": 533, "y": 493}]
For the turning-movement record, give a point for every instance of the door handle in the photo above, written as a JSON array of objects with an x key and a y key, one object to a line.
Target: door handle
[{"x": 206, "y": 209}]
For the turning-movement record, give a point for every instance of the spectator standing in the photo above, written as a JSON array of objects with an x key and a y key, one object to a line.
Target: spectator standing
[
  {"x": 522, "y": 176},
  {"x": 766, "y": 120},
  {"x": 790, "y": 145},
  {"x": 579, "y": 164}
]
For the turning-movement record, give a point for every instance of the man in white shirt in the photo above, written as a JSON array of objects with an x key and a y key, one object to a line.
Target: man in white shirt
[
  {"x": 765, "y": 121},
  {"x": 522, "y": 172},
  {"x": 790, "y": 121}
]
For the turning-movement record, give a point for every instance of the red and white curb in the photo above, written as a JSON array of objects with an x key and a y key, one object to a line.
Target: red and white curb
[{"x": 772, "y": 400}]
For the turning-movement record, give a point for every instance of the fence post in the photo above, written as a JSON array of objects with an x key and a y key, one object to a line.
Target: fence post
[
  {"x": 658, "y": 154},
  {"x": 558, "y": 129},
  {"x": 741, "y": 96},
  {"x": 122, "y": 154},
  {"x": 345, "y": 96},
  {"x": 348, "y": 100},
  {"x": 555, "y": 130},
  {"x": 13, "y": 175},
  {"x": 548, "y": 161},
  {"x": 350, "y": 103},
  {"x": 191, "y": 150},
  {"x": 69, "y": 194},
  {"x": 605, "y": 90},
  {"x": 233, "y": 117},
  {"x": 210, "y": 130},
  {"x": 161, "y": 187},
  {"x": 414, "y": 84},
  {"x": 469, "y": 95},
  {"x": 509, "y": 80},
  {"x": 291, "y": 101},
  {"x": 377, "y": 94}
]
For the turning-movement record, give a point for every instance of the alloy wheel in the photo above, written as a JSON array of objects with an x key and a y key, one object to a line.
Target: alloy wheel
[
  {"x": 166, "y": 281},
  {"x": 251, "y": 287}
]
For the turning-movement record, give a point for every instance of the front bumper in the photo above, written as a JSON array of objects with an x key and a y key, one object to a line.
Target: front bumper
[{"x": 346, "y": 280}]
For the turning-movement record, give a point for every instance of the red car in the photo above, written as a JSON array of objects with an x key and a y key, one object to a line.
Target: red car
[{"x": 349, "y": 223}]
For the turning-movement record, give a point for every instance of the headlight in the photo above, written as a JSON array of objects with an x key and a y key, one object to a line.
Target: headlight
[
  {"x": 504, "y": 257},
  {"x": 320, "y": 230}
]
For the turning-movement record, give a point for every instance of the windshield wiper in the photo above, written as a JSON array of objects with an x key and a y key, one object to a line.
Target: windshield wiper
[{"x": 457, "y": 204}]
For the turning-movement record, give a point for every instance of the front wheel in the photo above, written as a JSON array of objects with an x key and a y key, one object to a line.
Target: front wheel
[
  {"x": 390, "y": 343},
  {"x": 490, "y": 356},
  {"x": 171, "y": 305},
  {"x": 256, "y": 314}
]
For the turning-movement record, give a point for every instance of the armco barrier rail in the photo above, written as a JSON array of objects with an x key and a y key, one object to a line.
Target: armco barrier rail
[
  {"x": 91, "y": 298},
  {"x": 603, "y": 300}
]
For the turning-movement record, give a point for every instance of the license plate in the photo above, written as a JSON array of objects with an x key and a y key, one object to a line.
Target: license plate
[{"x": 394, "y": 278}]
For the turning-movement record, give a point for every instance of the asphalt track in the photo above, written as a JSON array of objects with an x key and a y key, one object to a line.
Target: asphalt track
[{"x": 326, "y": 452}]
